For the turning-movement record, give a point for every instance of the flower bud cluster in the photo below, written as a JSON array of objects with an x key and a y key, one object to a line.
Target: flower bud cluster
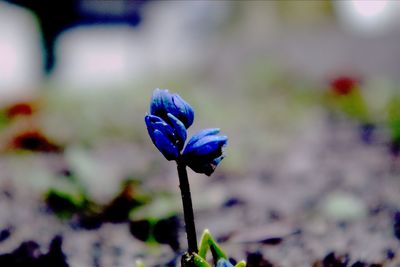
[{"x": 170, "y": 117}]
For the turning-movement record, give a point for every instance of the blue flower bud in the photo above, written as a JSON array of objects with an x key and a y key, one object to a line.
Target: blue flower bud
[
  {"x": 180, "y": 130},
  {"x": 224, "y": 263},
  {"x": 163, "y": 136},
  {"x": 209, "y": 145},
  {"x": 206, "y": 167},
  {"x": 163, "y": 102},
  {"x": 201, "y": 134},
  {"x": 204, "y": 151}
]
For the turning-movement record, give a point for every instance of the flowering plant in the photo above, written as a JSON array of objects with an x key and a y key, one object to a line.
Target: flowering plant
[{"x": 170, "y": 117}]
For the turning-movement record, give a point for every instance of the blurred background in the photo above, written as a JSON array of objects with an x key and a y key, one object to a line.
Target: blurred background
[{"x": 307, "y": 92}]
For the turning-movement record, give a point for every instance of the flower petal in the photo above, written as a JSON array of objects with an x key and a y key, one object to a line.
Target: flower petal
[
  {"x": 154, "y": 122},
  {"x": 165, "y": 146},
  {"x": 224, "y": 263},
  {"x": 196, "y": 137},
  {"x": 180, "y": 130},
  {"x": 202, "y": 167},
  {"x": 163, "y": 102},
  {"x": 156, "y": 101},
  {"x": 205, "y": 166},
  {"x": 215, "y": 162},
  {"x": 207, "y": 145},
  {"x": 184, "y": 111},
  {"x": 163, "y": 136}
]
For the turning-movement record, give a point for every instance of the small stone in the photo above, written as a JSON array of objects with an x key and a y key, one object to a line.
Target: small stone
[{"x": 343, "y": 207}]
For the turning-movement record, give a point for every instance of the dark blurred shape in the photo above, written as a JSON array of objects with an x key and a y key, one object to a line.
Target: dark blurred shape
[
  {"x": 332, "y": 260},
  {"x": 359, "y": 264},
  {"x": 343, "y": 85},
  {"x": 166, "y": 232},
  {"x": 367, "y": 132},
  {"x": 57, "y": 16},
  {"x": 84, "y": 213},
  {"x": 66, "y": 173},
  {"x": 55, "y": 256},
  {"x": 86, "y": 221},
  {"x": 62, "y": 204},
  {"x": 163, "y": 231},
  {"x": 271, "y": 241},
  {"x": 25, "y": 255},
  {"x": 5, "y": 233},
  {"x": 120, "y": 207},
  {"x": 29, "y": 254},
  {"x": 256, "y": 259},
  {"x": 394, "y": 148},
  {"x": 140, "y": 229},
  {"x": 34, "y": 141},
  {"x": 232, "y": 261},
  {"x": 390, "y": 254},
  {"x": 364, "y": 264},
  {"x": 396, "y": 224},
  {"x": 232, "y": 202}
]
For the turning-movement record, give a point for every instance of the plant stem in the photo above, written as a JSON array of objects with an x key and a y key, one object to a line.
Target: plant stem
[{"x": 187, "y": 207}]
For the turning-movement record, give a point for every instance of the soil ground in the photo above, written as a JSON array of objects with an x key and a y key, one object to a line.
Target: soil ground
[{"x": 331, "y": 193}]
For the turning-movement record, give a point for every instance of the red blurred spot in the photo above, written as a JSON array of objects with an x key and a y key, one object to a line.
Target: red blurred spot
[
  {"x": 343, "y": 85},
  {"x": 21, "y": 108},
  {"x": 34, "y": 141}
]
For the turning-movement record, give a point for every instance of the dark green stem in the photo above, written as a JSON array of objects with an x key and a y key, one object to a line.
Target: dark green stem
[{"x": 187, "y": 208}]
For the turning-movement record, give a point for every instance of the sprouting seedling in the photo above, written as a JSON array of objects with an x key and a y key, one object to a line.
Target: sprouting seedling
[
  {"x": 170, "y": 117},
  {"x": 346, "y": 95},
  {"x": 393, "y": 121}
]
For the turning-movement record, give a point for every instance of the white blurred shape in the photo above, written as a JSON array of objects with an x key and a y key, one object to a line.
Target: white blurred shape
[
  {"x": 181, "y": 32},
  {"x": 9, "y": 59},
  {"x": 20, "y": 53},
  {"x": 368, "y": 17},
  {"x": 370, "y": 8},
  {"x": 93, "y": 57},
  {"x": 169, "y": 40}
]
